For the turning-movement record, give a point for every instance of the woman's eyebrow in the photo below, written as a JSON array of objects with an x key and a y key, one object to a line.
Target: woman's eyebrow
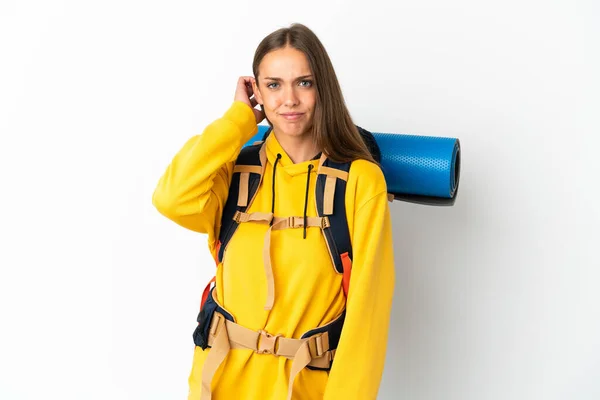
[{"x": 279, "y": 79}]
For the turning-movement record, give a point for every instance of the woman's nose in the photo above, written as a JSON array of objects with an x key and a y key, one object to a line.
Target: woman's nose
[{"x": 290, "y": 98}]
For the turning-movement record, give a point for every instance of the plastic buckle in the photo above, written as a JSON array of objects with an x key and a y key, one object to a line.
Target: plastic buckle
[
  {"x": 267, "y": 343},
  {"x": 325, "y": 223}
]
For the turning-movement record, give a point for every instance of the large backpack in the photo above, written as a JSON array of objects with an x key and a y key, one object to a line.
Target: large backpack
[{"x": 331, "y": 179}]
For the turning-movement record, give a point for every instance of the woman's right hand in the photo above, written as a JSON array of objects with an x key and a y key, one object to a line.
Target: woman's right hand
[{"x": 244, "y": 93}]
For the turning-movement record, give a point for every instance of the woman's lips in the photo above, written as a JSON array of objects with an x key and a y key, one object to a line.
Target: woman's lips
[{"x": 292, "y": 116}]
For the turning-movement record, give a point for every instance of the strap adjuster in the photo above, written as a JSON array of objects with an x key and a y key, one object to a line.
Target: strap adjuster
[
  {"x": 216, "y": 323},
  {"x": 292, "y": 223},
  {"x": 325, "y": 222},
  {"x": 267, "y": 343},
  {"x": 318, "y": 345}
]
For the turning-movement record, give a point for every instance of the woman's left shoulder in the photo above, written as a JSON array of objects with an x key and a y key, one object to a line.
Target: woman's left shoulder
[
  {"x": 364, "y": 170},
  {"x": 367, "y": 179}
]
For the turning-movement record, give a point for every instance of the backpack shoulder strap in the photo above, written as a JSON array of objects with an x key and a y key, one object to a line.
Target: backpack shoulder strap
[
  {"x": 371, "y": 143},
  {"x": 247, "y": 175},
  {"x": 331, "y": 203}
]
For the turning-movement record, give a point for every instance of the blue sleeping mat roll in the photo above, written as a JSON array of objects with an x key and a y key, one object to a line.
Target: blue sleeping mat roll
[
  {"x": 417, "y": 169},
  {"x": 420, "y": 169}
]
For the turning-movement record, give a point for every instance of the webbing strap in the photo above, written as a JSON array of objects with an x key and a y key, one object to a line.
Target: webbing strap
[
  {"x": 214, "y": 359},
  {"x": 243, "y": 191},
  {"x": 278, "y": 224},
  {"x": 247, "y": 178},
  {"x": 245, "y": 171},
  {"x": 298, "y": 222},
  {"x": 226, "y": 335},
  {"x": 343, "y": 175},
  {"x": 328, "y": 196},
  {"x": 333, "y": 174},
  {"x": 281, "y": 222},
  {"x": 254, "y": 169},
  {"x": 301, "y": 360},
  {"x": 252, "y": 217}
]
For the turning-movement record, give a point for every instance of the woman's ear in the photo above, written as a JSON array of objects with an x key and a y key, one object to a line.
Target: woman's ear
[{"x": 256, "y": 92}]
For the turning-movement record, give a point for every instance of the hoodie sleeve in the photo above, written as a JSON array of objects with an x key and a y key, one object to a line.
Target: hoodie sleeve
[
  {"x": 358, "y": 365},
  {"x": 193, "y": 189}
]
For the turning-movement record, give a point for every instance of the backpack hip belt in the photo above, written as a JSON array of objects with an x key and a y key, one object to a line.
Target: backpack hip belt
[{"x": 218, "y": 330}]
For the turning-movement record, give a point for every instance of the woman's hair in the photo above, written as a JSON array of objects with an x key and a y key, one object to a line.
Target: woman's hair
[{"x": 333, "y": 129}]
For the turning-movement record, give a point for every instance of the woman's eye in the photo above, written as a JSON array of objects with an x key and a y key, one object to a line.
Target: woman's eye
[{"x": 304, "y": 83}]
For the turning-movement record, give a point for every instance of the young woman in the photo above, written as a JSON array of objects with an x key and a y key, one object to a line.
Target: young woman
[{"x": 276, "y": 284}]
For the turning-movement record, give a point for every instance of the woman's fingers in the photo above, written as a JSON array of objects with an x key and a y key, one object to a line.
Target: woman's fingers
[{"x": 243, "y": 91}]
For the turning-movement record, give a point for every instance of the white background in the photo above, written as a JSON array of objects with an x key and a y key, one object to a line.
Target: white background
[{"x": 496, "y": 298}]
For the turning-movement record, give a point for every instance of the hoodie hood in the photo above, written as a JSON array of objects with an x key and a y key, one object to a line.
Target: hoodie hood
[{"x": 285, "y": 163}]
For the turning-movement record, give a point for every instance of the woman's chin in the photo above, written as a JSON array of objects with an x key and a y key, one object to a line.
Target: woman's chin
[
  {"x": 291, "y": 127},
  {"x": 295, "y": 130}
]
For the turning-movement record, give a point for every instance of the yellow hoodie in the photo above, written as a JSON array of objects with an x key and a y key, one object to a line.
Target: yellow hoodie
[{"x": 308, "y": 291}]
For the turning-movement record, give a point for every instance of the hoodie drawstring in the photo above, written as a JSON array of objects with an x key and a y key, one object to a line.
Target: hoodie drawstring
[{"x": 310, "y": 167}]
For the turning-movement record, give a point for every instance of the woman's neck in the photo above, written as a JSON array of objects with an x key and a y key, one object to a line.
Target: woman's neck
[{"x": 298, "y": 148}]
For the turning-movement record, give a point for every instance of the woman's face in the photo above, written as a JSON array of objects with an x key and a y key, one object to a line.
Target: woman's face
[{"x": 286, "y": 90}]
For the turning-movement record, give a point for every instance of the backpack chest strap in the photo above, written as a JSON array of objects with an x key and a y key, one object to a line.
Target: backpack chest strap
[
  {"x": 278, "y": 223},
  {"x": 281, "y": 222},
  {"x": 240, "y": 217}
]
